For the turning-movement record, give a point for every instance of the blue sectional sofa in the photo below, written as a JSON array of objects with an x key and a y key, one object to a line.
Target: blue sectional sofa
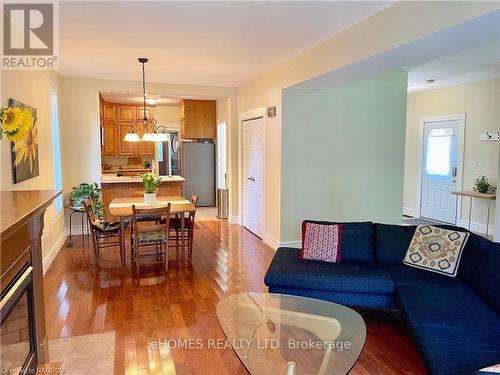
[{"x": 455, "y": 321}]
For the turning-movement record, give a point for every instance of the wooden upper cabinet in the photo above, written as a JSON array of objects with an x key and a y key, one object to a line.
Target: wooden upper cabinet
[
  {"x": 197, "y": 119},
  {"x": 145, "y": 148},
  {"x": 126, "y": 113},
  {"x": 108, "y": 111},
  {"x": 125, "y": 148},
  {"x": 109, "y": 144},
  {"x": 149, "y": 113}
]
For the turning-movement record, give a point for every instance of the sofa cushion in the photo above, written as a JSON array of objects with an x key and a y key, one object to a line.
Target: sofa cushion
[
  {"x": 366, "y": 300},
  {"x": 436, "y": 249},
  {"x": 474, "y": 250},
  {"x": 357, "y": 242},
  {"x": 321, "y": 242},
  {"x": 392, "y": 241},
  {"x": 404, "y": 275},
  {"x": 457, "y": 332},
  {"x": 288, "y": 270},
  {"x": 457, "y": 350},
  {"x": 443, "y": 305},
  {"x": 486, "y": 279}
]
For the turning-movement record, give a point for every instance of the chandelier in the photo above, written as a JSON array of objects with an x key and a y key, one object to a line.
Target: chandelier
[{"x": 151, "y": 131}]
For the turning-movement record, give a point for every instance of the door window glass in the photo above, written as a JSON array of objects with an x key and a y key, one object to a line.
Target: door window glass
[{"x": 437, "y": 157}]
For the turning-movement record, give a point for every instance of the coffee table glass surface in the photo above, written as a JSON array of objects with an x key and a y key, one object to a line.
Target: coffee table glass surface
[{"x": 284, "y": 334}]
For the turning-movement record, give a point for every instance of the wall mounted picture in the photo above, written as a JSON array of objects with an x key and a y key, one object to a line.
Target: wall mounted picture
[{"x": 24, "y": 151}]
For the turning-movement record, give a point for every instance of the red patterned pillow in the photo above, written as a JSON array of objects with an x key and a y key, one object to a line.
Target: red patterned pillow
[{"x": 321, "y": 241}]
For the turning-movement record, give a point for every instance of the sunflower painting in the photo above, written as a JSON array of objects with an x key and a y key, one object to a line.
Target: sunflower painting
[{"x": 24, "y": 143}]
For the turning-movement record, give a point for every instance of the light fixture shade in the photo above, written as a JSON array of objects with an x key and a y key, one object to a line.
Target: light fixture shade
[
  {"x": 162, "y": 137},
  {"x": 132, "y": 137},
  {"x": 149, "y": 137}
]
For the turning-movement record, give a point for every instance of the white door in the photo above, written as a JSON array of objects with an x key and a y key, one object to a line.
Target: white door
[
  {"x": 253, "y": 176},
  {"x": 440, "y": 167}
]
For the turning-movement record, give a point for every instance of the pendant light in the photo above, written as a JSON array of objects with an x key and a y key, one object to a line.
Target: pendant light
[{"x": 151, "y": 131}]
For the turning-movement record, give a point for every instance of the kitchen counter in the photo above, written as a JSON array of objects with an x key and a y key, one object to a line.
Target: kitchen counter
[
  {"x": 113, "y": 179},
  {"x": 131, "y": 186}
]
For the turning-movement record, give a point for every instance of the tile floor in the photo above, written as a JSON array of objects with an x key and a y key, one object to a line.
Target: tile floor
[{"x": 87, "y": 354}]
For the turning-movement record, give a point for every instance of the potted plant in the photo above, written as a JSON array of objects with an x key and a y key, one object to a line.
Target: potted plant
[
  {"x": 85, "y": 191},
  {"x": 482, "y": 185},
  {"x": 151, "y": 182}
]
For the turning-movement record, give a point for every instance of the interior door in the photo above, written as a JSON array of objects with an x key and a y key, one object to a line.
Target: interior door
[
  {"x": 253, "y": 176},
  {"x": 440, "y": 165}
]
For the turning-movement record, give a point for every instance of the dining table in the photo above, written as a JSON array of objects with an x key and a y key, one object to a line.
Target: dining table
[{"x": 122, "y": 209}]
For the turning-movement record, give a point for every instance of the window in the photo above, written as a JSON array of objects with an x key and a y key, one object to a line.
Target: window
[
  {"x": 56, "y": 154},
  {"x": 437, "y": 158}
]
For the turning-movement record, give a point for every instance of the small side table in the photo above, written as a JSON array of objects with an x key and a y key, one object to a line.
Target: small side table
[
  {"x": 73, "y": 210},
  {"x": 475, "y": 194}
]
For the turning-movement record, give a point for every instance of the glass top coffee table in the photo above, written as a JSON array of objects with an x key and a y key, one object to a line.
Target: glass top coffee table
[{"x": 283, "y": 334}]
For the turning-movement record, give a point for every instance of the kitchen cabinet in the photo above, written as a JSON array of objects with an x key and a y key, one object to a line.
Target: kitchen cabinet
[
  {"x": 109, "y": 135},
  {"x": 125, "y": 148},
  {"x": 108, "y": 111},
  {"x": 197, "y": 119},
  {"x": 145, "y": 148},
  {"x": 116, "y": 121},
  {"x": 126, "y": 113}
]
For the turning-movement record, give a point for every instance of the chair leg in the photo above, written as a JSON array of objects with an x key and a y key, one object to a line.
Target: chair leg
[
  {"x": 177, "y": 233},
  {"x": 190, "y": 240}
]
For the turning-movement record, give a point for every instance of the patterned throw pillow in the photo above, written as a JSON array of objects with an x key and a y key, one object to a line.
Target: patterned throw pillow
[
  {"x": 321, "y": 241},
  {"x": 435, "y": 249}
]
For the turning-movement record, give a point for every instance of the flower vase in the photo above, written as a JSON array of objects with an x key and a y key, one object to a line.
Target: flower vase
[{"x": 150, "y": 198}]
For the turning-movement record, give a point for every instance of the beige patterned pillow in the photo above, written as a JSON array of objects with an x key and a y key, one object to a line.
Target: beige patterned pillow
[{"x": 435, "y": 249}]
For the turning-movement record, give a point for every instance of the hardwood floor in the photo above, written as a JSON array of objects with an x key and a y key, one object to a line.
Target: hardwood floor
[{"x": 158, "y": 306}]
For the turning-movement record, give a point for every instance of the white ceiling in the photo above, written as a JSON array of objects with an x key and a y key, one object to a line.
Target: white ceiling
[
  {"x": 469, "y": 65},
  {"x": 136, "y": 98},
  {"x": 463, "y": 53},
  {"x": 209, "y": 43}
]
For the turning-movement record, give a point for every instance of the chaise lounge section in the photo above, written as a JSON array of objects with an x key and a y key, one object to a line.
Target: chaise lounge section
[{"x": 455, "y": 321}]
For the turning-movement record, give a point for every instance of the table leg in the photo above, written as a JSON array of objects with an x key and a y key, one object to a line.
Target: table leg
[
  {"x": 470, "y": 210},
  {"x": 122, "y": 240},
  {"x": 70, "y": 217},
  {"x": 83, "y": 232},
  {"x": 488, "y": 218},
  {"x": 183, "y": 237}
]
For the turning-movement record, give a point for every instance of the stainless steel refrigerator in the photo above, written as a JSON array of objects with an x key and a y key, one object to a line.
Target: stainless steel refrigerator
[{"x": 198, "y": 168}]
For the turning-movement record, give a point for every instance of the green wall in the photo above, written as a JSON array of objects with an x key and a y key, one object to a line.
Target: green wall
[{"x": 343, "y": 153}]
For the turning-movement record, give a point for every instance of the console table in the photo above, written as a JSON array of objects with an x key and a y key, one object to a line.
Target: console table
[
  {"x": 475, "y": 194},
  {"x": 22, "y": 306}
]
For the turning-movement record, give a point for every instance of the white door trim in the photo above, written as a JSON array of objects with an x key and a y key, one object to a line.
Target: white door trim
[
  {"x": 460, "y": 117},
  {"x": 256, "y": 113}
]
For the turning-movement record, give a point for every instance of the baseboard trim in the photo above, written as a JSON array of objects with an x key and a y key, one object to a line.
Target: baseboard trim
[
  {"x": 410, "y": 212},
  {"x": 476, "y": 227},
  {"x": 232, "y": 219},
  {"x": 295, "y": 244},
  {"x": 270, "y": 241},
  {"x": 51, "y": 255}
]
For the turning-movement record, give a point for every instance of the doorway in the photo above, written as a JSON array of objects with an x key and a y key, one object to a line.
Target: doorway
[
  {"x": 442, "y": 144},
  {"x": 253, "y": 149}
]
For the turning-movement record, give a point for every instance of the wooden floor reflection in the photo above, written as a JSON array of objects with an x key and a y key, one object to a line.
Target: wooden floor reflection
[{"x": 157, "y": 306}]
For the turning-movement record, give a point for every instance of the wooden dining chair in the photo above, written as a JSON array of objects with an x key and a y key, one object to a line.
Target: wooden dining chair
[
  {"x": 150, "y": 233},
  {"x": 104, "y": 234},
  {"x": 176, "y": 227}
]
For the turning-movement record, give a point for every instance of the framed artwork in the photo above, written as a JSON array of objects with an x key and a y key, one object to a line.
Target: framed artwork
[{"x": 24, "y": 152}]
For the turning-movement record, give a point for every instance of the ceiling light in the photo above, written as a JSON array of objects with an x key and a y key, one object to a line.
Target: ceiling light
[
  {"x": 151, "y": 101},
  {"x": 132, "y": 137},
  {"x": 149, "y": 137}
]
